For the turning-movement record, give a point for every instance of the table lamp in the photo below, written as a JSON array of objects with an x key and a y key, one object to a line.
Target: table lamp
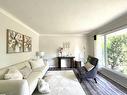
[{"x": 40, "y": 54}]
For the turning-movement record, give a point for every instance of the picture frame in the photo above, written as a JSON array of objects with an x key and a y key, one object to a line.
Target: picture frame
[
  {"x": 27, "y": 44},
  {"x": 14, "y": 42}
]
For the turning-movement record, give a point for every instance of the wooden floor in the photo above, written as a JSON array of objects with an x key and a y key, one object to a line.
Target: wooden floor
[{"x": 104, "y": 86}]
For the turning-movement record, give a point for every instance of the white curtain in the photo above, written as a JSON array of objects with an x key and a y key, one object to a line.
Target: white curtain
[{"x": 99, "y": 50}]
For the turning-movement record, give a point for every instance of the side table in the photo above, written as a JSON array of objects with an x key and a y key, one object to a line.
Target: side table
[{"x": 77, "y": 64}]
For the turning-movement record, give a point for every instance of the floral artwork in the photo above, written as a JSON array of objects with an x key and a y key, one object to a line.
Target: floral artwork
[
  {"x": 14, "y": 42},
  {"x": 27, "y": 44}
]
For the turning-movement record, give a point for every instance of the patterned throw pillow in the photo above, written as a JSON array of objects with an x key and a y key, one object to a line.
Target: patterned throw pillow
[
  {"x": 25, "y": 71},
  {"x": 89, "y": 66}
]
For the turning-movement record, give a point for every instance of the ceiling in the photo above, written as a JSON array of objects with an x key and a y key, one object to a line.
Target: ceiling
[{"x": 64, "y": 16}]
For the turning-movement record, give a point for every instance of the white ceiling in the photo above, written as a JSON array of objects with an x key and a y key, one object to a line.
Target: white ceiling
[{"x": 64, "y": 16}]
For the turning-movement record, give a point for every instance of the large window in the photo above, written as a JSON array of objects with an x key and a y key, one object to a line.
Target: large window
[{"x": 116, "y": 51}]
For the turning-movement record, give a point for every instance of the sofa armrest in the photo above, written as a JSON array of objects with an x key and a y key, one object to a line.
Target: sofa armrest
[
  {"x": 14, "y": 87},
  {"x": 47, "y": 66},
  {"x": 41, "y": 69}
]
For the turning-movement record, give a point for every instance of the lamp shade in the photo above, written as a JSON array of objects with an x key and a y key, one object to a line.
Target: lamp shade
[{"x": 40, "y": 54}]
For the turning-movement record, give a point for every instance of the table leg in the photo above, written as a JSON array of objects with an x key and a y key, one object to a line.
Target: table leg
[
  {"x": 72, "y": 63},
  {"x": 59, "y": 63}
]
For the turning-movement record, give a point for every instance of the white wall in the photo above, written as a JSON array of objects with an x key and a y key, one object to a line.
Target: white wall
[
  {"x": 7, "y": 22},
  {"x": 50, "y": 43}
]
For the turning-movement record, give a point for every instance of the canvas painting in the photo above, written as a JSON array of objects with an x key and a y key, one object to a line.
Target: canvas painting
[
  {"x": 27, "y": 44},
  {"x": 14, "y": 42}
]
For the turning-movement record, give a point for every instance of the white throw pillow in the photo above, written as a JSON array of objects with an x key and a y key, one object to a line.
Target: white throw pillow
[
  {"x": 39, "y": 69},
  {"x": 13, "y": 74},
  {"x": 37, "y": 63},
  {"x": 43, "y": 87},
  {"x": 89, "y": 66},
  {"x": 25, "y": 71}
]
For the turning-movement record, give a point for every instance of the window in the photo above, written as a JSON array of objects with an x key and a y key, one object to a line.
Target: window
[
  {"x": 116, "y": 51},
  {"x": 111, "y": 49}
]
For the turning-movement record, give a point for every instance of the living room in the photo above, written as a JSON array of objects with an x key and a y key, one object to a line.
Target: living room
[{"x": 65, "y": 29}]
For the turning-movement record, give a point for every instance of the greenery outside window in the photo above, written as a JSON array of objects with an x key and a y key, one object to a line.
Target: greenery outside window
[{"x": 116, "y": 51}]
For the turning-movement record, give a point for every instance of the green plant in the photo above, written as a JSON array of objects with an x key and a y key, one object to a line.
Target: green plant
[{"x": 117, "y": 50}]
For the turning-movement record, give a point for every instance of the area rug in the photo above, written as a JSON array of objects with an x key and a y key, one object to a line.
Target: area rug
[{"x": 63, "y": 83}]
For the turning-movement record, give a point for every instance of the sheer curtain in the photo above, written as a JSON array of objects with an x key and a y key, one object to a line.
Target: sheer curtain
[{"x": 99, "y": 50}]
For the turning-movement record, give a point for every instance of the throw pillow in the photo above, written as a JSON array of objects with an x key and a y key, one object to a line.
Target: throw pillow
[
  {"x": 89, "y": 66},
  {"x": 43, "y": 87},
  {"x": 13, "y": 74},
  {"x": 25, "y": 71},
  {"x": 39, "y": 69},
  {"x": 37, "y": 63}
]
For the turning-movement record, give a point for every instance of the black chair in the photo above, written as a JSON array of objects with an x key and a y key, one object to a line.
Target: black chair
[{"x": 84, "y": 74}]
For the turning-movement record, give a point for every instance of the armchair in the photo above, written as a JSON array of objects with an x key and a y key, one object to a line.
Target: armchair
[{"x": 84, "y": 74}]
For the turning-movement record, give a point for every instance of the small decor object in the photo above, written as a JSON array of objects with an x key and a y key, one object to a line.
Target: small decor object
[
  {"x": 66, "y": 48},
  {"x": 60, "y": 51},
  {"x": 43, "y": 87},
  {"x": 14, "y": 42},
  {"x": 27, "y": 44}
]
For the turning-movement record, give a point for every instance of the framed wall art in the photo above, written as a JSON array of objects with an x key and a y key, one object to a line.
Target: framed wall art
[
  {"x": 27, "y": 45},
  {"x": 14, "y": 42}
]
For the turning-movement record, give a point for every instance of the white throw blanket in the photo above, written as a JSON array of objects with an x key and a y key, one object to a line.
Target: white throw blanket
[
  {"x": 63, "y": 83},
  {"x": 43, "y": 87}
]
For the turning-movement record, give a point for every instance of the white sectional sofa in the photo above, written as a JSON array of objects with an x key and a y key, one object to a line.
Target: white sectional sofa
[{"x": 23, "y": 86}]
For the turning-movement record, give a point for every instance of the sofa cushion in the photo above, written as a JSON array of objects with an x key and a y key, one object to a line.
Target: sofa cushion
[
  {"x": 37, "y": 63},
  {"x": 25, "y": 71},
  {"x": 13, "y": 74},
  {"x": 43, "y": 69},
  {"x": 20, "y": 65},
  {"x": 14, "y": 87},
  {"x": 3, "y": 71},
  {"x": 33, "y": 80},
  {"x": 39, "y": 69}
]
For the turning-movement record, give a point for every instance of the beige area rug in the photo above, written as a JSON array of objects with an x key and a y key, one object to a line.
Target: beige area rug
[{"x": 63, "y": 83}]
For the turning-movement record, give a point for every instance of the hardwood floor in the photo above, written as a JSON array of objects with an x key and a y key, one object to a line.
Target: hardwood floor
[{"x": 104, "y": 86}]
